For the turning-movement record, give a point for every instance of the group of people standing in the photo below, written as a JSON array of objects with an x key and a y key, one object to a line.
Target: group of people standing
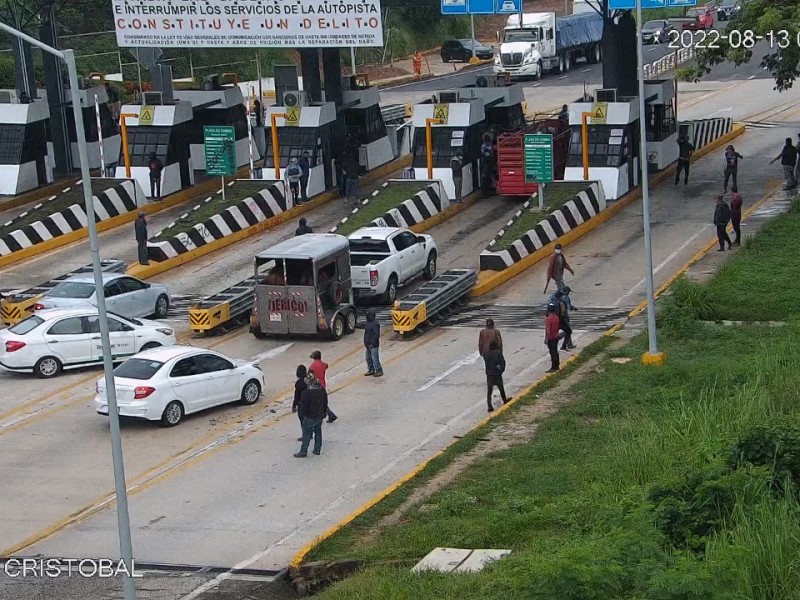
[{"x": 296, "y": 174}]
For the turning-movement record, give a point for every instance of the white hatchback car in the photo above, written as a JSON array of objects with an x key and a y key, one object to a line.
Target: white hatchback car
[
  {"x": 125, "y": 295},
  {"x": 56, "y": 339},
  {"x": 167, "y": 383}
]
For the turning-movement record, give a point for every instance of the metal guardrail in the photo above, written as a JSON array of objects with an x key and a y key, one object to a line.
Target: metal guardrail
[
  {"x": 17, "y": 306},
  {"x": 668, "y": 62},
  {"x": 432, "y": 298},
  {"x": 229, "y": 304}
]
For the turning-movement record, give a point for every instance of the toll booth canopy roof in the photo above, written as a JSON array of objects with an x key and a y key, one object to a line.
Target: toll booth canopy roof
[{"x": 309, "y": 246}]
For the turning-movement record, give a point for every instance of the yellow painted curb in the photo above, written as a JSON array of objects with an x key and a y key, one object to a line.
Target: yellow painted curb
[
  {"x": 489, "y": 280},
  {"x": 153, "y": 269}
]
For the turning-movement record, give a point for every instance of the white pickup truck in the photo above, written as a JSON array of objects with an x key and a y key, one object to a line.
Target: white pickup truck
[{"x": 382, "y": 258}]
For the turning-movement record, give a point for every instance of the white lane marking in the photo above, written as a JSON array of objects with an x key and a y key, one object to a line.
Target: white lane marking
[
  {"x": 464, "y": 362},
  {"x": 664, "y": 263},
  {"x": 563, "y": 77},
  {"x": 331, "y": 507},
  {"x": 271, "y": 353},
  {"x": 586, "y": 70},
  {"x": 534, "y": 85},
  {"x": 752, "y": 77},
  {"x": 531, "y": 368},
  {"x": 721, "y": 110}
]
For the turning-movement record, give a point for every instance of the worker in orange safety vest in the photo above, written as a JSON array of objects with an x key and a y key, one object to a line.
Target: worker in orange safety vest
[{"x": 416, "y": 61}]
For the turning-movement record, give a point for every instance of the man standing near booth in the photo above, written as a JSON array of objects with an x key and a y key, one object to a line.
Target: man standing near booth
[
  {"x": 685, "y": 151},
  {"x": 140, "y": 227},
  {"x": 305, "y": 169}
]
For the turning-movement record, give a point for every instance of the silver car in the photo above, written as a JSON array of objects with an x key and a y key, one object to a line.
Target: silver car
[{"x": 125, "y": 295}]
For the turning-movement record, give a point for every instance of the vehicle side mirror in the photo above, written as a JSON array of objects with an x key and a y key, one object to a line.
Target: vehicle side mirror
[
  {"x": 420, "y": 240},
  {"x": 146, "y": 285}
]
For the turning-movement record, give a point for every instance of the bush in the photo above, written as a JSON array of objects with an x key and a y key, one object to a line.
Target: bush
[{"x": 776, "y": 446}]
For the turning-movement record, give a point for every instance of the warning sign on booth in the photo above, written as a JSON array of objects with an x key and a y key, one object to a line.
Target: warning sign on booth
[{"x": 247, "y": 23}]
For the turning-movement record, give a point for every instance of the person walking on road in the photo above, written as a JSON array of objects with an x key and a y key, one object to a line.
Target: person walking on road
[
  {"x": 788, "y": 158},
  {"x": 312, "y": 409},
  {"x": 456, "y": 164},
  {"x": 555, "y": 269},
  {"x": 722, "y": 216},
  {"x": 562, "y": 310},
  {"x": 685, "y": 151},
  {"x": 551, "y": 337},
  {"x": 305, "y": 170},
  {"x": 736, "y": 217},
  {"x": 564, "y": 296},
  {"x": 495, "y": 366},
  {"x": 303, "y": 228},
  {"x": 488, "y": 335},
  {"x": 156, "y": 167},
  {"x": 299, "y": 387},
  {"x": 140, "y": 227},
  {"x": 732, "y": 158},
  {"x": 293, "y": 174},
  {"x": 372, "y": 342},
  {"x": 351, "y": 168},
  {"x": 319, "y": 368}
]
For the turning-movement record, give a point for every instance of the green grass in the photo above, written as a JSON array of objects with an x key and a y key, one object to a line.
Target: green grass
[
  {"x": 555, "y": 196},
  {"x": 61, "y": 202},
  {"x": 240, "y": 190},
  {"x": 638, "y": 490},
  {"x": 390, "y": 197}
]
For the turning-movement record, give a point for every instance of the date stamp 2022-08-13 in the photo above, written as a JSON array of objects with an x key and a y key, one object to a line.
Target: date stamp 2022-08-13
[{"x": 711, "y": 39}]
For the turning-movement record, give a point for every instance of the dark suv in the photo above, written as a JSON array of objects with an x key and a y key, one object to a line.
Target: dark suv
[
  {"x": 461, "y": 50},
  {"x": 728, "y": 9}
]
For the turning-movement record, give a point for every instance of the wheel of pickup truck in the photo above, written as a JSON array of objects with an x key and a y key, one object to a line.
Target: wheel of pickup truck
[
  {"x": 430, "y": 267},
  {"x": 390, "y": 295}
]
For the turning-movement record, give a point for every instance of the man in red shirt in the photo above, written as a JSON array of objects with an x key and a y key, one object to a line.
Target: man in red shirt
[
  {"x": 318, "y": 367},
  {"x": 736, "y": 216},
  {"x": 551, "y": 336}
]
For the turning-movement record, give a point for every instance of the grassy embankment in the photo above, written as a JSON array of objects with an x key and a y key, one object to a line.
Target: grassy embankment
[
  {"x": 670, "y": 483},
  {"x": 389, "y": 197}
]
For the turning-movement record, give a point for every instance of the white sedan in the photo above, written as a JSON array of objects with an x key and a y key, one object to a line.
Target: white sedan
[
  {"x": 68, "y": 338},
  {"x": 167, "y": 383},
  {"x": 125, "y": 295}
]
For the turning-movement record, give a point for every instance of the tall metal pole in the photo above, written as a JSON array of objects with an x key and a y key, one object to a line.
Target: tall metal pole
[
  {"x": 258, "y": 74},
  {"x": 353, "y": 59},
  {"x": 655, "y": 357},
  {"x": 139, "y": 71},
  {"x": 472, "y": 29}
]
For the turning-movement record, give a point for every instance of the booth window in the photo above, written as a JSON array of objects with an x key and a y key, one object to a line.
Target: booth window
[
  {"x": 660, "y": 122},
  {"x": 605, "y": 149},
  {"x": 442, "y": 145},
  {"x": 12, "y": 138},
  {"x": 292, "y": 142},
  {"x": 367, "y": 124},
  {"x": 145, "y": 139}
]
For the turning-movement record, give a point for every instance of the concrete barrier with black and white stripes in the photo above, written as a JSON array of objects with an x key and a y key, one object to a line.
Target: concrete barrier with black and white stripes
[
  {"x": 705, "y": 131},
  {"x": 421, "y": 206},
  {"x": 585, "y": 205},
  {"x": 255, "y": 209},
  {"x": 114, "y": 201}
]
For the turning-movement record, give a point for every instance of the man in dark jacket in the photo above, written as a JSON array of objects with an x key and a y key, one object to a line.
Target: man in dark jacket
[
  {"x": 311, "y": 410},
  {"x": 732, "y": 168},
  {"x": 303, "y": 228},
  {"x": 722, "y": 216},
  {"x": 736, "y": 217},
  {"x": 562, "y": 310},
  {"x": 140, "y": 227},
  {"x": 788, "y": 158},
  {"x": 156, "y": 167},
  {"x": 305, "y": 170},
  {"x": 495, "y": 366},
  {"x": 299, "y": 387},
  {"x": 372, "y": 342},
  {"x": 685, "y": 151}
]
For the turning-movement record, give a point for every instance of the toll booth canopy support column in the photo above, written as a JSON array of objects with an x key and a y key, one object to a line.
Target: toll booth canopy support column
[
  {"x": 332, "y": 69},
  {"x": 309, "y": 65}
]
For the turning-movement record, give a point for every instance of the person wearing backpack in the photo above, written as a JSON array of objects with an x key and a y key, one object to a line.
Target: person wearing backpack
[
  {"x": 293, "y": 175},
  {"x": 722, "y": 216},
  {"x": 156, "y": 167},
  {"x": 562, "y": 310},
  {"x": 732, "y": 158},
  {"x": 495, "y": 366}
]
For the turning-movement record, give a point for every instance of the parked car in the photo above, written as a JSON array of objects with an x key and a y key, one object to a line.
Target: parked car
[
  {"x": 728, "y": 9},
  {"x": 383, "y": 258},
  {"x": 461, "y": 50},
  {"x": 125, "y": 295},
  {"x": 166, "y": 384},
  {"x": 657, "y": 32},
  {"x": 702, "y": 18},
  {"x": 68, "y": 338}
]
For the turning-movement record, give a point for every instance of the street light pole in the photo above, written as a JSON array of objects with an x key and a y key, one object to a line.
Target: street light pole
[
  {"x": 123, "y": 521},
  {"x": 653, "y": 356}
]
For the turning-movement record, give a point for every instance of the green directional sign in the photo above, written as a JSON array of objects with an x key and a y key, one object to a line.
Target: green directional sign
[
  {"x": 538, "y": 158},
  {"x": 220, "y": 149}
]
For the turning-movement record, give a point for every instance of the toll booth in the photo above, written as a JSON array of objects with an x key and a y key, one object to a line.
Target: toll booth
[
  {"x": 26, "y": 149},
  {"x": 221, "y": 106},
  {"x": 164, "y": 129},
  {"x": 613, "y": 145},
  {"x": 661, "y": 123},
  {"x": 109, "y": 130},
  {"x": 363, "y": 116},
  {"x": 306, "y": 127}
]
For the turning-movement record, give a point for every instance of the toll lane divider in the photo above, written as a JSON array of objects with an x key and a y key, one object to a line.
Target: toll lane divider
[
  {"x": 40, "y": 194},
  {"x": 487, "y": 281}
]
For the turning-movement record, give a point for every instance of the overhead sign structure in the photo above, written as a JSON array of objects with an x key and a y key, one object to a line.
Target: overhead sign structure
[
  {"x": 146, "y": 115},
  {"x": 538, "y": 158},
  {"x": 220, "y": 150},
  {"x": 600, "y": 110},
  {"x": 293, "y": 116},
  {"x": 480, "y": 7},
  {"x": 631, "y": 4},
  {"x": 247, "y": 23},
  {"x": 454, "y": 7},
  {"x": 441, "y": 111},
  {"x": 508, "y": 6}
]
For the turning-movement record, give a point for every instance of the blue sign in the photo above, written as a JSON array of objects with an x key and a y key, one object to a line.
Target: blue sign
[
  {"x": 508, "y": 6},
  {"x": 454, "y": 7},
  {"x": 631, "y": 4},
  {"x": 480, "y": 7},
  {"x": 682, "y": 2}
]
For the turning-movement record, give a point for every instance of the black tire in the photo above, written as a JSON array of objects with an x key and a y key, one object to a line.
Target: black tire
[
  {"x": 567, "y": 62},
  {"x": 540, "y": 72},
  {"x": 391, "y": 291},
  {"x": 173, "y": 414},
  {"x": 251, "y": 392},
  {"x": 150, "y": 346},
  {"x": 350, "y": 322},
  {"x": 561, "y": 68},
  {"x": 337, "y": 327},
  {"x": 445, "y": 57},
  {"x": 430, "y": 267},
  {"x": 256, "y": 331},
  {"x": 162, "y": 307},
  {"x": 594, "y": 54},
  {"x": 47, "y": 367}
]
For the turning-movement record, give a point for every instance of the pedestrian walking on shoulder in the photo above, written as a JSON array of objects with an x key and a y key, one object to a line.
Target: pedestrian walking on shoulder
[
  {"x": 312, "y": 409},
  {"x": 732, "y": 158},
  {"x": 788, "y": 158},
  {"x": 303, "y": 228},
  {"x": 555, "y": 269},
  {"x": 685, "y": 151},
  {"x": 140, "y": 226},
  {"x": 341, "y": 179},
  {"x": 293, "y": 174},
  {"x": 563, "y": 320},
  {"x": 456, "y": 164},
  {"x": 495, "y": 366},
  {"x": 564, "y": 296},
  {"x": 736, "y": 217},
  {"x": 551, "y": 337},
  {"x": 722, "y": 216},
  {"x": 299, "y": 387},
  {"x": 318, "y": 368},
  {"x": 372, "y": 342},
  {"x": 305, "y": 170},
  {"x": 488, "y": 335},
  {"x": 156, "y": 168}
]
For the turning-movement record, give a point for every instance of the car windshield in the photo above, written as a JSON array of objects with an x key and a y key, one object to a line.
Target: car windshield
[
  {"x": 26, "y": 325},
  {"x": 729, "y": 2},
  {"x": 138, "y": 368},
  {"x": 522, "y": 35},
  {"x": 72, "y": 289},
  {"x": 469, "y": 43},
  {"x": 653, "y": 25},
  {"x": 694, "y": 12}
]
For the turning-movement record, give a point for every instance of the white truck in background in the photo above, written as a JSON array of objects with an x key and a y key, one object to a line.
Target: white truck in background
[
  {"x": 544, "y": 42},
  {"x": 383, "y": 258}
]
